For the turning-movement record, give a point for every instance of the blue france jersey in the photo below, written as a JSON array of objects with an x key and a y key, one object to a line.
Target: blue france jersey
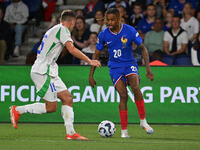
[{"x": 119, "y": 45}]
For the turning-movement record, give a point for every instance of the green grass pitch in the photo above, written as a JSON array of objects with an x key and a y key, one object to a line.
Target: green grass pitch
[{"x": 52, "y": 137}]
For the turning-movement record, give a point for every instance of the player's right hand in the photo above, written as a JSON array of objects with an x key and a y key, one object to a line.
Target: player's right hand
[
  {"x": 95, "y": 63},
  {"x": 92, "y": 81},
  {"x": 150, "y": 75}
]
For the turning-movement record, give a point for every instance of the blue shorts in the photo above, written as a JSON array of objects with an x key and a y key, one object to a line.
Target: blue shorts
[{"x": 123, "y": 72}]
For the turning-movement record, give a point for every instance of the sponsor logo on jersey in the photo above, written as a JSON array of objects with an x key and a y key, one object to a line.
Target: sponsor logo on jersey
[
  {"x": 124, "y": 40},
  {"x": 109, "y": 42}
]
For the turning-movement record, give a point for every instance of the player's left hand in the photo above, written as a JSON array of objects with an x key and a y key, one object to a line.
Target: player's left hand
[
  {"x": 95, "y": 63},
  {"x": 150, "y": 75}
]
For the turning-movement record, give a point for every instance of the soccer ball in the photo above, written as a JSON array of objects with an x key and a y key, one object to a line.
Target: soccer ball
[{"x": 106, "y": 128}]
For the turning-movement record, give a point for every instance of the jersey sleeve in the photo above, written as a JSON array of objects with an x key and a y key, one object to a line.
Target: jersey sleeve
[
  {"x": 100, "y": 42},
  {"x": 65, "y": 35},
  {"x": 135, "y": 36}
]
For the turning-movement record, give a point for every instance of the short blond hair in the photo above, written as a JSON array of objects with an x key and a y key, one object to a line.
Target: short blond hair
[{"x": 67, "y": 15}]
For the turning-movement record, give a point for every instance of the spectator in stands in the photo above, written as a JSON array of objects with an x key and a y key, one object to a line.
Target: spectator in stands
[
  {"x": 5, "y": 3},
  {"x": 6, "y": 39},
  {"x": 90, "y": 50},
  {"x": 136, "y": 15},
  {"x": 49, "y": 8},
  {"x": 176, "y": 6},
  {"x": 144, "y": 3},
  {"x": 123, "y": 13},
  {"x": 195, "y": 52},
  {"x": 92, "y": 7},
  {"x": 154, "y": 40},
  {"x": 5, "y": 35},
  {"x": 16, "y": 15},
  {"x": 33, "y": 7},
  {"x": 80, "y": 35},
  {"x": 79, "y": 12},
  {"x": 98, "y": 24},
  {"x": 124, "y": 20},
  {"x": 168, "y": 21},
  {"x": 160, "y": 8},
  {"x": 118, "y": 3},
  {"x": 37, "y": 13},
  {"x": 198, "y": 15},
  {"x": 175, "y": 44},
  {"x": 189, "y": 23},
  {"x": 147, "y": 23}
]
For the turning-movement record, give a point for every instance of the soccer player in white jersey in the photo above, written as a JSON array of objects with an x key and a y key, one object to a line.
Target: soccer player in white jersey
[{"x": 44, "y": 74}]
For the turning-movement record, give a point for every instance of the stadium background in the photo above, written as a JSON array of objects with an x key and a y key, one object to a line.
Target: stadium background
[
  {"x": 179, "y": 84},
  {"x": 173, "y": 97}
]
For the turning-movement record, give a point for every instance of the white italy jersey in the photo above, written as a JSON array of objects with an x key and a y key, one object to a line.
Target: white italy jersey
[{"x": 51, "y": 46}]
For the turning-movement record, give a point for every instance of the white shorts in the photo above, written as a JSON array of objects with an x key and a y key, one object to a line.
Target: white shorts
[{"x": 47, "y": 86}]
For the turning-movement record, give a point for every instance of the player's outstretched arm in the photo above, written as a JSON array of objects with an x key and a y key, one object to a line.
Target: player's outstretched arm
[
  {"x": 145, "y": 55},
  {"x": 92, "y": 69},
  {"x": 77, "y": 53}
]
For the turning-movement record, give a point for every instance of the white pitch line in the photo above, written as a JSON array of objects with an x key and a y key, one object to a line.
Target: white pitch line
[{"x": 102, "y": 141}]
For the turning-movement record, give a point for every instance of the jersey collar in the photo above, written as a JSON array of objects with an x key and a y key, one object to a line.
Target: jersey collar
[
  {"x": 119, "y": 30},
  {"x": 65, "y": 28}
]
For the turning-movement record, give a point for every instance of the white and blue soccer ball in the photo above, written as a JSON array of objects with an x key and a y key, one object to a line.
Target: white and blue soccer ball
[{"x": 106, "y": 128}]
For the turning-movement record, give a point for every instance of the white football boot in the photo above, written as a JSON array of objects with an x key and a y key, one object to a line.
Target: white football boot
[
  {"x": 124, "y": 134},
  {"x": 146, "y": 126}
]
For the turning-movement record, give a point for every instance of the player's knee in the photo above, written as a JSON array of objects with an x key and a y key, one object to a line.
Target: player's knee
[
  {"x": 70, "y": 97},
  {"x": 135, "y": 89},
  {"x": 67, "y": 100},
  {"x": 70, "y": 100},
  {"x": 51, "y": 107},
  {"x": 123, "y": 97}
]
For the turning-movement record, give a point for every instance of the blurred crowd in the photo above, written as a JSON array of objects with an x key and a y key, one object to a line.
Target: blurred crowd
[{"x": 169, "y": 28}]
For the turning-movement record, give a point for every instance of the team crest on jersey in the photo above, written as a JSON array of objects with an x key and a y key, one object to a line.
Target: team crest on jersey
[
  {"x": 97, "y": 40},
  {"x": 124, "y": 41}
]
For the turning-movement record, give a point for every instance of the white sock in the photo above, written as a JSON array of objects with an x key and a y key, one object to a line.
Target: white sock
[
  {"x": 36, "y": 108},
  {"x": 144, "y": 121},
  {"x": 124, "y": 131},
  {"x": 68, "y": 116}
]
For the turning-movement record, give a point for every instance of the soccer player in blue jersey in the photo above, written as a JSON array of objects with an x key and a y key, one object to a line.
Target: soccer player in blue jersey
[{"x": 122, "y": 65}]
